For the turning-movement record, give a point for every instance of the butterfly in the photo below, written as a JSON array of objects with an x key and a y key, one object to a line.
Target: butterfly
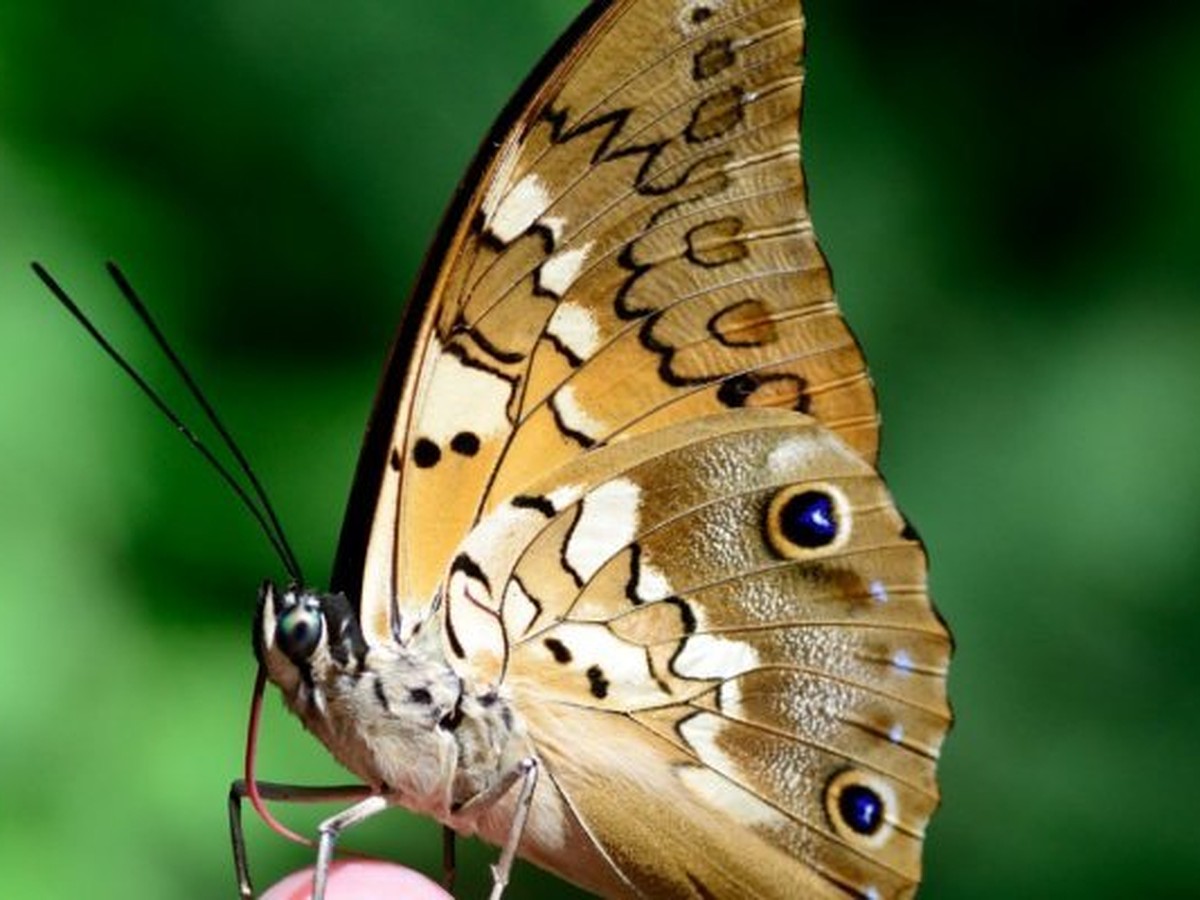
[{"x": 619, "y": 587}]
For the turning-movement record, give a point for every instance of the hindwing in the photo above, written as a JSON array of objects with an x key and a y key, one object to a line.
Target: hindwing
[{"x": 713, "y": 675}]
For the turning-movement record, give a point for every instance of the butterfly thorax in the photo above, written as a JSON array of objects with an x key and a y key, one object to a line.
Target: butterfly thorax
[{"x": 397, "y": 715}]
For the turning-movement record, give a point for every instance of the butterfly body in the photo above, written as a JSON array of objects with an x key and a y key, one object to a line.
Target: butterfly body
[
  {"x": 617, "y": 518},
  {"x": 397, "y": 716}
]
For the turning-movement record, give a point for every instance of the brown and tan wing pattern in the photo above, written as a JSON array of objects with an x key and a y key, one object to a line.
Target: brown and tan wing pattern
[
  {"x": 720, "y": 640},
  {"x": 633, "y": 250}
]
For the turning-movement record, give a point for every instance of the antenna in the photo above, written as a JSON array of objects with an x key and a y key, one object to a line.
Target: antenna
[{"x": 264, "y": 515}]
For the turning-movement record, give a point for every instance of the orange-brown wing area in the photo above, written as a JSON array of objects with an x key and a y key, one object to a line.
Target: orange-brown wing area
[
  {"x": 720, "y": 641},
  {"x": 633, "y": 249}
]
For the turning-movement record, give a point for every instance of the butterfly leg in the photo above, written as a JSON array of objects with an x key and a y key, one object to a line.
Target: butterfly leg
[
  {"x": 527, "y": 772},
  {"x": 332, "y": 828},
  {"x": 288, "y": 793}
]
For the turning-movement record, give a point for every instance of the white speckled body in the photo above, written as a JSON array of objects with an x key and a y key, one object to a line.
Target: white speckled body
[{"x": 398, "y": 716}]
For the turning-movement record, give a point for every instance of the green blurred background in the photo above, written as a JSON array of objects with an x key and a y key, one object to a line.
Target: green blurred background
[{"x": 1008, "y": 195}]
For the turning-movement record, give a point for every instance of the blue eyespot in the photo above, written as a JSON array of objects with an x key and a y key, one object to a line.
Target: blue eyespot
[
  {"x": 298, "y": 631},
  {"x": 861, "y": 808},
  {"x": 809, "y": 519}
]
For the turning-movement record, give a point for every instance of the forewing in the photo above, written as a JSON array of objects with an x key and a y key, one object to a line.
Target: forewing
[{"x": 632, "y": 249}]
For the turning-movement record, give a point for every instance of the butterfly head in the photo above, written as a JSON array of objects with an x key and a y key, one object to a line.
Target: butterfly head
[{"x": 303, "y": 638}]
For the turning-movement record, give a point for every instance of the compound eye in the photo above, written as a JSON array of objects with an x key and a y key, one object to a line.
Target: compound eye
[{"x": 298, "y": 631}]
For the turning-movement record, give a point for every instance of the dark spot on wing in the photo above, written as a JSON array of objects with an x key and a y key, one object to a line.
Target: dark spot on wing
[
  {"x": 465, "y": 443},
  {"x": 597, "y": 682},
  {"x": 558, "y": 650},
  {"x": 426, "y": 454}
]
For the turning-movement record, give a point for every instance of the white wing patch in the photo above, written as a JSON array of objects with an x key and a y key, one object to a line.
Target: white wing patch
[
  {"x": 606, "y": 525},
  {"x": 572, "y": 416},
  {"x": 708, "y": 656},
  {"x": 462, "y": 398},
  {"x": 729, "y": 695},
  {"x": 652, "y": 584},
  {"x": 516, "y": 210},
  {"x": 562, "y": 497},
  {"x": 622, "y": 662},
  {"x": 575, "y": 328},
  {"x": 559, "y": 272}
]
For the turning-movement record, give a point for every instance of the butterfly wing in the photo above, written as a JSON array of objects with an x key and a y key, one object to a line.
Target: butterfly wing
[
  {"x": 720, "y": 641},
  {"x": 723, "y": 706},
  {"x": 631, "y": 249}
]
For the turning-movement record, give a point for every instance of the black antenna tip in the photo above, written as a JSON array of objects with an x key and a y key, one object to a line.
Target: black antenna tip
[{"x": 40, "y": 271}]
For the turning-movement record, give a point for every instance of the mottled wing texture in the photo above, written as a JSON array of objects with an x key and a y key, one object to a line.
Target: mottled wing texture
[
  {"x": 727, "y": 702},
  {"x": 632, "y": 249}
]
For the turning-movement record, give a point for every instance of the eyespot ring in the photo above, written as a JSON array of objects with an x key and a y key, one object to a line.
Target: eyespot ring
[
  {"x": 808, "y": 520},
  {"x": 861, "y": 807}
]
